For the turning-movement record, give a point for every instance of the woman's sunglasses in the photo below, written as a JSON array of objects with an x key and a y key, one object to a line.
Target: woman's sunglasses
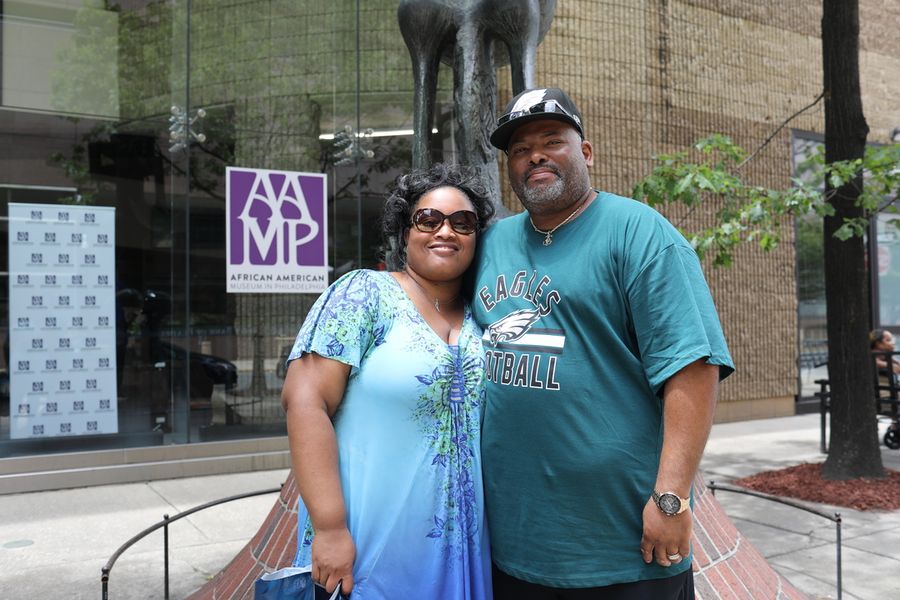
[{"x": 429, "y": 220}]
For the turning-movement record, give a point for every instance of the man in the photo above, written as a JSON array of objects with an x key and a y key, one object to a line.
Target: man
[{"x": 603, "y": 354}]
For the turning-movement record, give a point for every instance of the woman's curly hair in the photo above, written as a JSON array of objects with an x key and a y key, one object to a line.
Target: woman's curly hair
[{"x": 411, "y": 187}]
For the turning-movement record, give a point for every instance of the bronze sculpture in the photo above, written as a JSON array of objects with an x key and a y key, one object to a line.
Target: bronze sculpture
[{"x": 462, "y": 34}]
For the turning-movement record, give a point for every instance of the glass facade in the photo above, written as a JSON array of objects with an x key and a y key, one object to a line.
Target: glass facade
[
  {"x": 887, "y": 259},
  {"x": 883, "y": 242},
  {"x": 130, "y": 112},
  {"x": 810, "y": 252}
]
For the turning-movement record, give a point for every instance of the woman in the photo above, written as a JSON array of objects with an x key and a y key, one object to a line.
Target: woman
[
  {"x": 882, "y": 340},
  {"x": 383, "y": 397}
]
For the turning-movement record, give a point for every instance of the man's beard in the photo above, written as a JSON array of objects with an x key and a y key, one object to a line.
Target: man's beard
[
  {"x": 553, "y": 197},
  {"x": 543, "y": 198}
]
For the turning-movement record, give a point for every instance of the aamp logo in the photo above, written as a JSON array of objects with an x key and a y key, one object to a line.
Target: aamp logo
[{"x": 271, "y": 219}]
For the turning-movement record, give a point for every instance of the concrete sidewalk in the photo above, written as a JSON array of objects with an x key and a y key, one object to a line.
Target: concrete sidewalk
[
  {"x": 799, "y": 545},
  {"x": 53, "y": 544}
]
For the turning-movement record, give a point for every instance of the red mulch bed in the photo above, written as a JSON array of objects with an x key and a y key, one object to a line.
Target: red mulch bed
[{"x": 805, "y": 482}]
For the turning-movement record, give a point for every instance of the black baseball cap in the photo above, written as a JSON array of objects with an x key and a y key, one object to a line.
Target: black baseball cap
[{"x": 530, "y": 105}]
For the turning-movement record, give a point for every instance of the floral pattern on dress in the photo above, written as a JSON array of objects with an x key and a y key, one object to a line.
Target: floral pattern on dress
[
  {"x": 339, "y": 324},
  {"x": 448, "y": 413},
  {"x": 367, "y": 315}
]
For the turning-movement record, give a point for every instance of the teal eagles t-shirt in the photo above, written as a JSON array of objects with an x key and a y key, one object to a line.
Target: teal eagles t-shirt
[{"x": 579, "y": 338}]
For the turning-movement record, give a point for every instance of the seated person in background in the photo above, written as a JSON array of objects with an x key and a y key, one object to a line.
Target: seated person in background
[{"x": 882, "y": 340}]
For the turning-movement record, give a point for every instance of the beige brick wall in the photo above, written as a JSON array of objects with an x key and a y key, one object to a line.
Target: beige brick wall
[
  {"x": 655, "y": 75},
  {"x": 650, "y": 76}
]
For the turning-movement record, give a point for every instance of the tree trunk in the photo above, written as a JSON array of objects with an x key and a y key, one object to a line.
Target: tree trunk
[{"x": 854, "y": 450}]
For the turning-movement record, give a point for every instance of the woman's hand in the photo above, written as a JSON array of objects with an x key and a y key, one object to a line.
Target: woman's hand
[{"x": 333, "y": 553}]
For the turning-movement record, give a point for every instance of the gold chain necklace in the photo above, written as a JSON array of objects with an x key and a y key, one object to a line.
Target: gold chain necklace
[
  {"x": 435, "y": 301},
  {"x": 548, "y": 239}
]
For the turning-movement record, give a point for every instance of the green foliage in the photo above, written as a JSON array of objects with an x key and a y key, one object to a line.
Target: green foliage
[{"x": 710, "y": 171}]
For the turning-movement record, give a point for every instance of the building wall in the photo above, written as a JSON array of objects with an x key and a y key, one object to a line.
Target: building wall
[
  {"x": 656, "y": 75},
  {"x": 277, "y": 77}
]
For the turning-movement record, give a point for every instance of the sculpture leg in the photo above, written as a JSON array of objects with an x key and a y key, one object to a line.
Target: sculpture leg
[
  {"x": 521, "y": 62},
  {"x": 425, "y": 74},
  {"x": 425, "y": 28},
  {"x": 475, "y": 93},
  {"x": 519, "y": 26}
]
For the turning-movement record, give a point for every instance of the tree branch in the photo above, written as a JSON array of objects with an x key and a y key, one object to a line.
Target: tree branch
[{"x": 779, "y": 128}]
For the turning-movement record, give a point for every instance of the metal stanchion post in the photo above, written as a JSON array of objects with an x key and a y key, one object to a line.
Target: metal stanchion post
[
  {"x": 166, "y": 555},
  {"x": 837, "y": 525}
]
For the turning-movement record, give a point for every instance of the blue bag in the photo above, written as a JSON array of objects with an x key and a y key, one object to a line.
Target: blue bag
[{"x": 291, "y": 583}]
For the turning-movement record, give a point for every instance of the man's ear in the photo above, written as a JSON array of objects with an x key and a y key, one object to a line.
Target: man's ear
[{"x": 587, "y": 150}]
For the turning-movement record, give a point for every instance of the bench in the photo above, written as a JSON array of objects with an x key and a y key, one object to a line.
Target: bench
[
  {"x": 814, "y": 354},
  {"x": 887, "y": 404}
]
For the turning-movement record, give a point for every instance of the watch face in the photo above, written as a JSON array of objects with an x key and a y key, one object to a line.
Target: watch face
[{"x": 669, "y": 503}]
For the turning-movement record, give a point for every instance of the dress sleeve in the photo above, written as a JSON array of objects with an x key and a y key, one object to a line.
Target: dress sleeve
[
  {"x": 343, "y": 323},
  {"x": 674, "y": 317}
]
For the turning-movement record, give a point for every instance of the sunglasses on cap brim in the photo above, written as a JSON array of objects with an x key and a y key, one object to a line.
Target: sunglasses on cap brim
[
  {"x": 429, "y": 220},
  {"x": 547, "y": 106}
]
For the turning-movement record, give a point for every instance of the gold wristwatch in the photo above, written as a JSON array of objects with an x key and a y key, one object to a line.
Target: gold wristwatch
[{"x": 670, "y": 503}]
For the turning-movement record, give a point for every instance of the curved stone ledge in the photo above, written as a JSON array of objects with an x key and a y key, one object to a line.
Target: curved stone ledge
[{"x": 726, "y": 565}]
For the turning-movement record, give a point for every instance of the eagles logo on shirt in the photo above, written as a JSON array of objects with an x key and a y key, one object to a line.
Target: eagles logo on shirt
[
  {"x": 518, "y": 351},
  {"x": 513, "y": 326}
]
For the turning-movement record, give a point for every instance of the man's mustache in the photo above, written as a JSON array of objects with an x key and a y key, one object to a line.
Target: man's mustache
[{"x": 544, "y": 167}]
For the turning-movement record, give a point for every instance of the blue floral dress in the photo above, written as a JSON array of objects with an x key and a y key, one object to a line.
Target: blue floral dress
[{"x": 408, "y": 436}]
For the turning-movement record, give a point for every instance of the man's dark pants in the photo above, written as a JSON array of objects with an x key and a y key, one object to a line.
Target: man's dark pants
[{"x": 679, "y": 587}]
